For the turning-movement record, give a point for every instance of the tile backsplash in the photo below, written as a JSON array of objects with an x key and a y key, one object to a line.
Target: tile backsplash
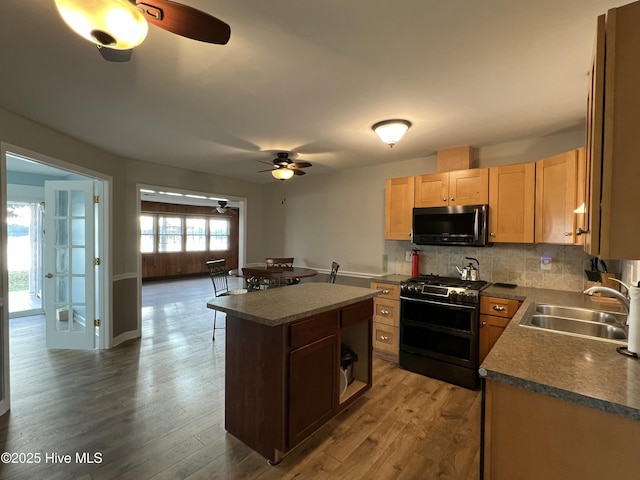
[{"x": 503, "y": 262}]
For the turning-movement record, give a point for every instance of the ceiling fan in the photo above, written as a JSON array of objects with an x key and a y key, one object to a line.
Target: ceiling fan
[
  {"x": 92, "y": 20},
  {"x": 222, "y": 207},
  {"x": 284, "y": 168}
]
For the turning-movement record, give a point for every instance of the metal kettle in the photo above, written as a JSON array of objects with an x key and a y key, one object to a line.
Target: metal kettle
[{"x": 470, "y": 272}]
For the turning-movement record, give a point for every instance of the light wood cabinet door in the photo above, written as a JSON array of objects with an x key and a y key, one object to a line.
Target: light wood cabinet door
[
  {"x": 490, "y": 330},
  {"x": 469, "y": 187},
  {"x": 512, "y": 203},
  {"x": 556, "y": 179},
  {"x": 460, "y": 187},
  {"x": 398, "y": 208},
  {"x": 432, "y": 190}
]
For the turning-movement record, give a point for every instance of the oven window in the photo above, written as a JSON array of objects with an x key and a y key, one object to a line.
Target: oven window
[
  {"x": 447, "y": 316},
  {"x": 421, "y": 340}
]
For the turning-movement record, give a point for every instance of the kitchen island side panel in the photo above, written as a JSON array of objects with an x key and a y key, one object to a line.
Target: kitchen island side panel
[{"x": 255, "y": 384}]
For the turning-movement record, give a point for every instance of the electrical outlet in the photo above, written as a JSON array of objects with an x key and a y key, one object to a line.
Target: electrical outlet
[
  {"x": 545, "y": 263},
  {"x": 407, "y": 256}
]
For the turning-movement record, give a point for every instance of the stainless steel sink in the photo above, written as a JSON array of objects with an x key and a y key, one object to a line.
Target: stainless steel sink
[
  {"x": 576, "y": 313},
  {"x": 609, "y": 326}
]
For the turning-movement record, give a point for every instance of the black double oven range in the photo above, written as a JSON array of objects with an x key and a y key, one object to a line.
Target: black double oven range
[{"x": 439, "y": 328}]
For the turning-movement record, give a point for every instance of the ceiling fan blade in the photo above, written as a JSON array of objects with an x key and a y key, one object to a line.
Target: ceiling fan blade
[
  {"x": 112, "y": 55},
  {"x": 269, "y": 170},
  {"x": 301, "y": 165},
  {"x": 299, "y": 172},
  {"x": 185, "y": 21},
  {"x": 266, "y": 163}
]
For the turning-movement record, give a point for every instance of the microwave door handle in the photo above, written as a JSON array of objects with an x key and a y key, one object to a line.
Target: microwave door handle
[{"x": 475, "y": 225}]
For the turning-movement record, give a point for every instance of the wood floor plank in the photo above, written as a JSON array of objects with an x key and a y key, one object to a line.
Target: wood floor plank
[{"x": 154, "y": 408}]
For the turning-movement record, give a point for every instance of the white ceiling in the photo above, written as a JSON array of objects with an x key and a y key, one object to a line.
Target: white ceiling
[{"x": 309, "y": 77}]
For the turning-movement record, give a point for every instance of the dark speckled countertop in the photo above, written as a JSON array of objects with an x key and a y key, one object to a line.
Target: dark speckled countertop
[
  {"x": 576, "y": 369},
  {"x": 277, "y": 306}
]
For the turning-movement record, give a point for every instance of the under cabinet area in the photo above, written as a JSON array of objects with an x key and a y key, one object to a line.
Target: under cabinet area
[
  {"x": 495, "y": 315},
  {"x": 386, "y": 321}
]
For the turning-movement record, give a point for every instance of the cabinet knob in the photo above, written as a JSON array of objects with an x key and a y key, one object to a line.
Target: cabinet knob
[
  {"x": 452, "y": 199},
  {"x": 483, "y": 324},
  {"x": 384, "y": 312},
  {"x": 498, "y": 308},
  {"x": 580, "y": 231},
  {"x": 385, "y": 292},
  {"x": 384, "y": 337},
  {"x": 444, "y": 199},
  {"x": 492, "y": 234},
  {"x": 567, "y": 234}
]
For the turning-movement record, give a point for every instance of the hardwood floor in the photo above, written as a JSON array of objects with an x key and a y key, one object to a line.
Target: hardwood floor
[{"x": 154, "y": 408}]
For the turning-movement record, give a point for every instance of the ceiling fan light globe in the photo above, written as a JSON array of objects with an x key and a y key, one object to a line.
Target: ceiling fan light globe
[
  {"x": 391, "y": 131},
  {"x": 116, "y": 24},
  {"x": 282, "y": 173}
]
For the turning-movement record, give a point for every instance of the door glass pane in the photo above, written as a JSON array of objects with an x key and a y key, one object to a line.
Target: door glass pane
[
  {"x": 62, "y": 260},
  {"x": 62, "y": 203},
  {"x": 78, "y": 261},
  {"x": 80, "y": 320},
  {"x": 77, "y": 290},
  {"x": 62, "y": 318},
  {"x": 77, "y": 231},
  {"x": 62, "y": 289},
  {"x": 77, "y": 204},
  {"x": 62, "y": 232}
]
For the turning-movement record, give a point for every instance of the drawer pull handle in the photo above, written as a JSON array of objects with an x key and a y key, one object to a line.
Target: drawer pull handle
[
  {"x": 384, "y": 312},
  {"x": 498, "y": 308},
  {"x": 384, "y": 337},
  {"x": 483, "y": 324},
  {"x": 385, "y": 292}
]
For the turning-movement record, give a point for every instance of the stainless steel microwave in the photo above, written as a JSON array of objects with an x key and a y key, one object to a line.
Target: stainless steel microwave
[{"x": 463, "y": 225}]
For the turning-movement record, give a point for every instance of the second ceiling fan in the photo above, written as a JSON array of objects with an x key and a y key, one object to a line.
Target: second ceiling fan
[
  {"x": 116, "y": 26},
  {"x": 284, "y": 168}
]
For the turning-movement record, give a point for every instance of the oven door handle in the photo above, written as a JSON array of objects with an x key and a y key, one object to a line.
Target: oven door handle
[{"x": 444, "y": 304}]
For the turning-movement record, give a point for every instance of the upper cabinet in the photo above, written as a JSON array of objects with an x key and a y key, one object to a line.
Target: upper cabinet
[
  {"x": 512, "y": 203},
  {"x": 398, "y": 208},
  {"x": 460, "y": 187},
  {"x": 613, "y": 143},
  {"x": 556, "y": 198}
]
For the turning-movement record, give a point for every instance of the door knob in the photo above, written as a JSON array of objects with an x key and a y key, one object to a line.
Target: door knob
[{"x": 49, "y": 275}]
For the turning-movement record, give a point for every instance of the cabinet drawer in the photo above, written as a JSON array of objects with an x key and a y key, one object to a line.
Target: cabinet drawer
[
  {"x": 387, "y": 311},
  {"x": 499, "y": 307},
  {"x": 389, "y": 290},
  {"x": 314, "y": 328},
  {"x": 359, "y": 312},
  {"x": 385, "y": 338}
]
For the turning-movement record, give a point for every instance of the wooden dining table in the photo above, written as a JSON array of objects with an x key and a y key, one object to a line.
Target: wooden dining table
[{"x": 288, "y": 273}]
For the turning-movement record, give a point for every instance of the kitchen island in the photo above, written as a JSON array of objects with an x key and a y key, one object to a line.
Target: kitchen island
[
  {"x": 283, "y": 374},
  {"x": 557, "y": 405}
]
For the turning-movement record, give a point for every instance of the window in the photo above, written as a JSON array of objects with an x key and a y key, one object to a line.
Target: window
[
  {"x": 196, "y": 234},
  {"x": 170, "y": 234},
  {"x": 218, "y": 234},
  {"x": 147, "y": 233},
  {"x": 182, "y": 233}
]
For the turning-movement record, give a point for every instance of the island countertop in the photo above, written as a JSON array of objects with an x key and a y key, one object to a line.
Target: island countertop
[
  {"x": 277, "y": 306},
  {"x": 581, "y": 370}
]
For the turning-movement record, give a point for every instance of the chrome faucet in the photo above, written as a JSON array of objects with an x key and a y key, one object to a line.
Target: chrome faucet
[{"x": 624, "y": 300}]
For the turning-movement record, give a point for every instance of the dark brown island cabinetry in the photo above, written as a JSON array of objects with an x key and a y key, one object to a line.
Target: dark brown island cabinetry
[{"x": 283, "y": 382}]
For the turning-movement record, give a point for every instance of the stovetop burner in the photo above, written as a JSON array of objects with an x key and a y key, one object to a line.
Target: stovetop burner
[{"x": 437, "y": 280}]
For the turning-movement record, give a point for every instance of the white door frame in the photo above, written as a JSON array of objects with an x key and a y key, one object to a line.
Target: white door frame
[{"x": 104, "y": 222}]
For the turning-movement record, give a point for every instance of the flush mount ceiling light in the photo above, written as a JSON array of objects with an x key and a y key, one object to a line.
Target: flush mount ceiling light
[
  {"x": 391, "y": 131},
  {"x": 282, "y": 173},
  {"x": 115, "y": 24}
]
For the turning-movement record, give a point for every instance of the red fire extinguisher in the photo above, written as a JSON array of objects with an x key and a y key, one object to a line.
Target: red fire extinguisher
[{"x": 415, "y": 263}]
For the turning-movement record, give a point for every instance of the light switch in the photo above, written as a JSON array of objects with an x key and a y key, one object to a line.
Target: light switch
[{"x": 407, "y": 256}]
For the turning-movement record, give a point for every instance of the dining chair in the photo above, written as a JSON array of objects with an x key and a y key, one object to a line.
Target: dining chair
[
  {"x": 282, "y": 262},
  {"x": 334, "y": 272},
  {"x": 218, "y": 274},
  {"x": 262, "y": 278}
]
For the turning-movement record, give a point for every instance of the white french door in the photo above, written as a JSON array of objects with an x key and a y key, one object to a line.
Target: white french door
[{"x": 69, "y": 271}]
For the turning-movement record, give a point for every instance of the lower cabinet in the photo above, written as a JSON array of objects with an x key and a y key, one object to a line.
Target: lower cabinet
[
  {"x": 386, "y": 321},
  {"x": 495, "y": 315},
  {"x": 284, "y": 382}
]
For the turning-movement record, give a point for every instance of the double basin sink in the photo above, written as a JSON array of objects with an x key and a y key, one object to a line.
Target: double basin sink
[{"x": 577, "y": 321}]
